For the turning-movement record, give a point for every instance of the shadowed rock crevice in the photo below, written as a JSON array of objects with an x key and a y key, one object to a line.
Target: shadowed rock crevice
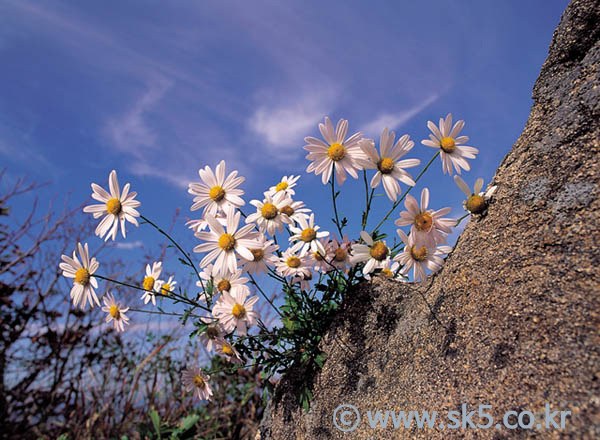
[{"x": 518, "y": 300}]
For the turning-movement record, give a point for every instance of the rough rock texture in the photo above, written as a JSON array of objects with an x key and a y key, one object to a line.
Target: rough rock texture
[{"x": 518, "y": 300}]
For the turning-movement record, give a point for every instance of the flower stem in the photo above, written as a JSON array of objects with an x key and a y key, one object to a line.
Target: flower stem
[
  {"x": 333, "y": 198},
  {"x": 185, "y": 254},
  {"x": 264, "y": 295}
]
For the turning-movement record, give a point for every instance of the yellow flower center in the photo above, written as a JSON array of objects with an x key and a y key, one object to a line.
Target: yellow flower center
[
  {"x": 216, "y": 193},
  {"x": 423, "y": 222},
  {"x": 317, "y": 256},
  {"x": 198, "y": 381},
  {"x": 82, "y": 276},
  {"x": 448, "y": 144},
  {"x": 419, "y": 254},
  {"x": 379, "y": 251},
  {"x": 227, "y": 349},
  {"x": 293, "y": 262},
  {"x": 238, "y": 311},
  {"x": 224, "y": 286},
  {"x": 269, "y": 211},
  {"x": 148, "y": 283},
  {"x": 476, "y": 204},
  {"x": 287, "y": 210},
  {"x": 281, "y": 186},
  {"x": 387, "y": 273},
  {"x": 114, "y": 311},
  {"x": 166, "y": 289},
  {"x": 212, "y": 332},
  {"x": 385, "y": 165},
  {"x": 226, "y": 242},
  {"x": 336, "y": 152},
  {"x": 340, "y": 254},
  {"x": 308, "y": 235},
  {"x": 258, "y": 254},
  {"x": 113, "y": 206}
]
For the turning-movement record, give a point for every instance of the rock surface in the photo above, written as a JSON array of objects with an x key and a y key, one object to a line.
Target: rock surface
[{"x": 518, "y": 300}]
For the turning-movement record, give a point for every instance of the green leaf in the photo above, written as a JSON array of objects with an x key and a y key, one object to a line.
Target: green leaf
[{"x": 155, "y": 421}]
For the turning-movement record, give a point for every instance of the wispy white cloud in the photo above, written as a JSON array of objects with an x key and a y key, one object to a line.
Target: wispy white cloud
[
  {"x": 129, "y": 245},
  {"x": 395, "y": 120},
  {"x": 130, "y": 132},
  {"x": 285, "y": 126}
]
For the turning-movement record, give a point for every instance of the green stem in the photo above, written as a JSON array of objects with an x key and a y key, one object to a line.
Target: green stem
[
  {"x": 187, "y": 257},
  {"x": 264, "y": 295},
  {"x": 333, "y": 198},
  {"x": 171, "y": 294},
  {"x": 461, "y": 219}
]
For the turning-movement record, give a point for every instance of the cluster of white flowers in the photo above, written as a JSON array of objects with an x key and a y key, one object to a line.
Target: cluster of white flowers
[{"x": 233, "y": 253}]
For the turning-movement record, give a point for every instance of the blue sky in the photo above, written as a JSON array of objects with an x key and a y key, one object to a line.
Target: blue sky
[{"x": 157, "y": 90}]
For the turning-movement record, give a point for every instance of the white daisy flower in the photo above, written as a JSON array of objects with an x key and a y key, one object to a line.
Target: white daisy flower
[
  {"x": 387, "y": 270},
  {"x": 151, "y": 282},
  {"x": 116, "y": 207},
  {"x": 427, "y": 225},
  {"x": 447, "y": 140},
  {"x": 290, "y": 264},
  {"x": 213, "y": 332},
  {"x": 373, "y": 253},
  {"x": 337, "y": 150},
  {"x": 295, "y": 211},
  {"x": 307, "y": 236},
  {"x": 116, "y": 312},
  {"x": 420, "y": 256},
  {"x": 341, "y": 253},
  {"x": 389, "y": 168},
  {"x": 286, "y": 185},
  {"x": 224, "y": 348},
  {"x": 195, "y": 380},
  {"x": 225, "y": 245},
  {"x": 84, "y": 283},
  {"x": 236, "y": 311},
  {"x": 322, "y": 261},
  {"x": 477, "y": 201},
  {"x": 268, "y": 216},
  {"x": 224, "y": 282},
  {"x": 165, "y": 288},
  {"x": 216, "y": 192},
  {"x": 264, "y": 257}
]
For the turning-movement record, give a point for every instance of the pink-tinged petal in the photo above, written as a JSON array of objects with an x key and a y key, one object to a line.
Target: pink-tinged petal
[
  {"x": 390, "y": 187},
  {"x": 220, "y": 172},
  {"x": 341, "y": 130},
  {"x": 424, "y": 199},
  {"x": 376, "y": 180},
  {"x": 369, "y": 266},
  {"x": 95, "y": 208},
  {"x": 313, "y": 141},
  {"x": 431, "y": 144},
  {"x": 457, "y": 128},
  {"x": 434, "y": 130},
  {"x": 411, "y": 205},
  {"x": 340, "y": 175},
  {"x": 366, "y": 237},
  {"x": 462, "y": 185},
  {"x": 215, "y": 226},
  {"x": 327, "y": 174},
  {"x": 461, "y": 140},
  {"x": 210, "y": 257},
  {"x": 113, "y": 184}
]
